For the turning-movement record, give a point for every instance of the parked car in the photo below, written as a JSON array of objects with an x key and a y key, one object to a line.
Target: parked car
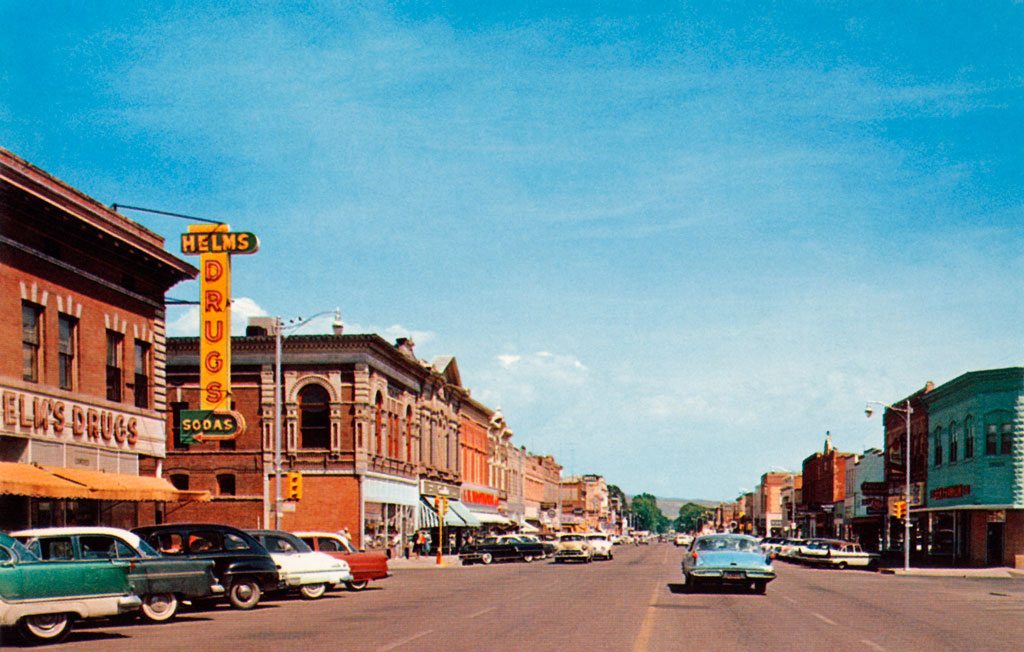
[
  {"x": 549, "y": 544},
  {"x": 771, "y": 545},
  {"x": 789, "y": 548},
  {"x": 505, "y": 547},
  {"x": 574, "y": 547},
  {"x": 161, "y": 582},
  {"x": 42, "y": 598},
  {"x": 241, "y": 565},
  {"x": 727, "y": 559},
  {"x": 363, "y": 565},
  {"x": 839, "y": 554},
  {"x": 683, "y": 540},
  {"x": 302, "y": 568},
  {"x": 601, "y": 544}
]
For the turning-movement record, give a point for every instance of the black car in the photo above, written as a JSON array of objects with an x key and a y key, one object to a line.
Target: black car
[
  {"x": 240, "y": 563},
  {"x": 506, "y": 547}
]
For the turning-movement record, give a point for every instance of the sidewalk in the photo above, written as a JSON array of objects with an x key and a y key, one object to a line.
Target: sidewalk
[
  {"x": 424, "y": 562},
  {"x": 997, "y": 572}
]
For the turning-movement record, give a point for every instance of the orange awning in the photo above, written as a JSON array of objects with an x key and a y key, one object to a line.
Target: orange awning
[
  {"x": 30, "y": 480},
  {"x": 120, "y": 486}
]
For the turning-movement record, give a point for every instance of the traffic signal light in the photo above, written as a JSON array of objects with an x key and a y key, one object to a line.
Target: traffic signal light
[
  {"x": 444, "y": 506},
  {"x": 293, "y": 485},
  {"x": 899, "y": 509}
]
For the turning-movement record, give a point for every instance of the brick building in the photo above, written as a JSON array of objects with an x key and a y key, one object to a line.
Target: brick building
[
  {"x": 479, "y": 493},
  {"x": 824, "y": 487},
  {"x": 895, "y": 420},
  {"x": 374, "y": 433},
  {"x": 82, "y": 366}
]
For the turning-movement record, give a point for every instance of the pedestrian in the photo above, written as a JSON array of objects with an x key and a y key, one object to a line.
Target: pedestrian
[
  {"x": 418, "y": 543},
  {"x": 426, "y": 544}
]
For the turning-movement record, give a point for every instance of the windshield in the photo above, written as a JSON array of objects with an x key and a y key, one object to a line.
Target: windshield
[
  {"x": 147, "y": 550},
  {"x": 727, "y": 544},
  {"x": 23, "y": 553}
]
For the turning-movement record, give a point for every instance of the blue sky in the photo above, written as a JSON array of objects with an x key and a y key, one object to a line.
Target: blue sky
[{"x": 676, "y": 243}]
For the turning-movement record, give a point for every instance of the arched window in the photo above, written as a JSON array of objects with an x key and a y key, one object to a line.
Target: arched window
[
  {"x": 968, "y": 438},
  {"x": 314, "y": 417},
  {"x": 408, "y": 433},
  {"x": 180, "y": 481},
  {"x": 378, "y": 423},
  {"x": 954, "y": 441}
]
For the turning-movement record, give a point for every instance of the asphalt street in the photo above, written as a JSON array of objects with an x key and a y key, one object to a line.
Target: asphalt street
[{"x": 632, "y": 603}]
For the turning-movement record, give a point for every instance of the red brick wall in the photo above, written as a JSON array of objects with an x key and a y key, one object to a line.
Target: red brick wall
[{"x": 329, "y": 502}]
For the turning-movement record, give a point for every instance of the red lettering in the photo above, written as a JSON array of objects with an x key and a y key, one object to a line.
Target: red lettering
[
  {"x": 212, "y": 301},
  {"x": 133, "y": 431},
  {"x": 24, "y": 419},
  {"x": 40, "y": 414},
  {"x": 77, "y": 421},
  {"x": 10, "y": 409},
  {"x": 212, "y": 270},
  {"x": 58, "y": 417},
  {"x": 213, "y": 362},
  {"x": 93, "y": 418},
  {"x": 214, "y": 336},
  {"x": 214, "y": 393},
  {"x": 107, "y": 420},
  {"x": 119, "y": 429}
]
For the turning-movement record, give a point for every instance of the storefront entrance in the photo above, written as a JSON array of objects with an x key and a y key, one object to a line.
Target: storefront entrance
[{"x": 994, "y": 544}]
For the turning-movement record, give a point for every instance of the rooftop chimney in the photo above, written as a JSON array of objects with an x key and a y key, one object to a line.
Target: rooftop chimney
[{"x": 405, "y": 347}]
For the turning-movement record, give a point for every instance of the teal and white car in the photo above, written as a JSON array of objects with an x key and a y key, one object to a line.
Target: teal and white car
[
  {"x": 727, "y": 559},
  {"x": 42, "y": 598},
  {"x": 161, "y": 582}
]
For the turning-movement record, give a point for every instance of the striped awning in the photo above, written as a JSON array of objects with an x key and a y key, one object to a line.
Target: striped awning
[{"x": 458, "y": 515}]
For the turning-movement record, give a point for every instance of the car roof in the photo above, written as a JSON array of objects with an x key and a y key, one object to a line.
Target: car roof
[
  {"x": 314, "y": 533},
  {"x": 72, "y": 530}
]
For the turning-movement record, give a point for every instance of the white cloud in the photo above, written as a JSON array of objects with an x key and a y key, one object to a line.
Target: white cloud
[
  {"x": 186, "y": 324},
  {"x": 507, "y": 360}
]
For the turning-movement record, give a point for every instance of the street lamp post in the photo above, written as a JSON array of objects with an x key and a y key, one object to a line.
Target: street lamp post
[
  {"x": 906, "y": 411},
  {"x": 278, "y": 334}
]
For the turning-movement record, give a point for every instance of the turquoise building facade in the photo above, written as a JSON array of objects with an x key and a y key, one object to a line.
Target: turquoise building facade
[{"x": 974, "y": 512}]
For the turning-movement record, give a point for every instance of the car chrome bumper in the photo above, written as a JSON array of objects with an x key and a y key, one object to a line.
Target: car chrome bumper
[{"x": 128, "y": 603}]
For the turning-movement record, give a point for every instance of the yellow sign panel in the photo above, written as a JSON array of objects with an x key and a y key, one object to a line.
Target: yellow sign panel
[{"x": 214, "y": 324}]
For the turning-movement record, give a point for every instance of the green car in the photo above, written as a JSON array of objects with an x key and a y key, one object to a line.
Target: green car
[
  {"x": 42, "y": 598},
  {"x": 162, "y": 582}
]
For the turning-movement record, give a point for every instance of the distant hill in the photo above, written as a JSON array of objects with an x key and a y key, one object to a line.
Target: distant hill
[{"x": 670, "y": 506}]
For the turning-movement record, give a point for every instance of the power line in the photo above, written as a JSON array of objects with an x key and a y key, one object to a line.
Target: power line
[{"x": 114, "y": 207}]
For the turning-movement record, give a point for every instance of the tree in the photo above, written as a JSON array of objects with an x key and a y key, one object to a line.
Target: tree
[
  {"x": 689, "y": 516},
  {"x": 647, "y": 515},
  {"x": 615, "y": 493}
]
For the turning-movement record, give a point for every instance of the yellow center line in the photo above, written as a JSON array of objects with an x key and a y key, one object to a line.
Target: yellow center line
[{"x": 643, "y": 637}]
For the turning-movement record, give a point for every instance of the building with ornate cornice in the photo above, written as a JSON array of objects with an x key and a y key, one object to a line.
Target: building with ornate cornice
[
  {"x": 81, "y": 356},
  {"x": 374, "y": 433}
]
